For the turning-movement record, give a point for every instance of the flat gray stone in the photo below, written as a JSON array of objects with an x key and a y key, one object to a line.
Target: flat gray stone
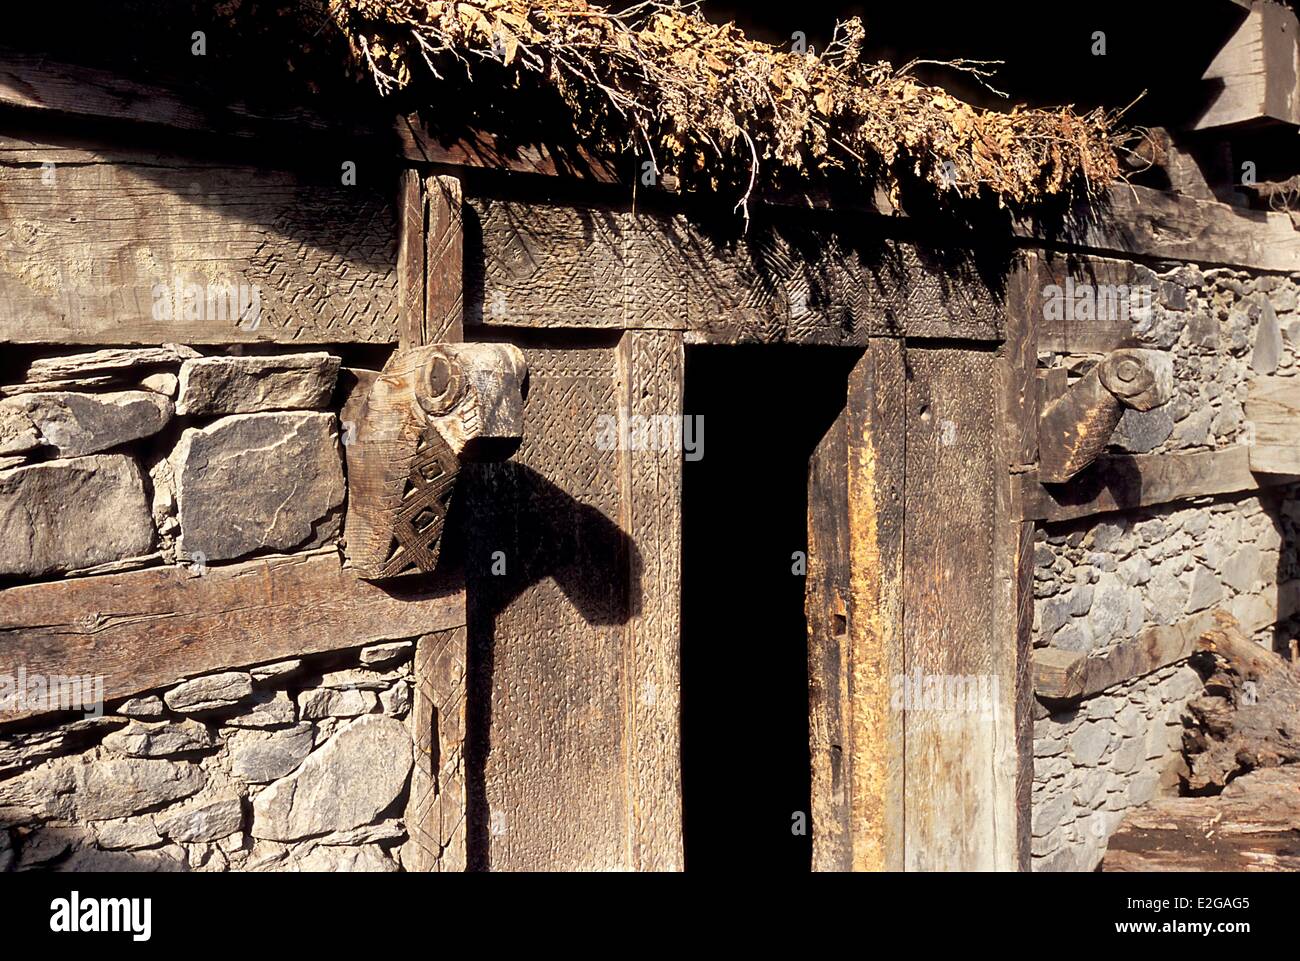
[
  {"x": 1268, "y": 341},
  {"x": 260, "y": 758},
  {"x": 64, "y": 515},
  {"x": 142, "y": 707},
  {"x": 168, "y": 739},
  {"x": 1243, "y": 569},
  {"x": 325, "y": 702},
  {"x": 1206, "y": 591},
  {"x": 114, "y": 360},
  {"x": 1140, "y": 432},
  {"x": 253, "y": 482},
  {"x": 351, "y": 860},
  {"x": 354, "y": 776},
  {"x": 268, "y": 709},
  {"x": 276, "y": 670},
  {"x": 1089, "y": 743},
  {"x": 119, "y": 788},
  {"x": 210, "y": 692},
  {"x": 127, "y": 833},
  {"x": 76, "y": 424},
  {"x": 382, "y": 655},
  {"x": 209, "y": 820},
  {"x": 247, "y": 385}
]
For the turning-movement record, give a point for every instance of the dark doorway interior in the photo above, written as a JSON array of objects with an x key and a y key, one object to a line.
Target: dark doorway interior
[{"x": 745, "y": 761}]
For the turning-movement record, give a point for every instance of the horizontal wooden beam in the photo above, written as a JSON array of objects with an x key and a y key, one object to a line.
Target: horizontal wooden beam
[
  {"x": 1065, "y": 300},
  {"x": 790, "y": 278},
  {"x": 1123, "y": 483},
  {"x": 139, "y": 248},
  {"x": 148, "y": 629},
  {"x": 1253, "y": 79},
  {"x": 1143, "y": 222}
]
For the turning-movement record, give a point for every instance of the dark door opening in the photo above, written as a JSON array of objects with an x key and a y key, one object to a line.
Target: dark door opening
[{"x": 745, "y": 753}]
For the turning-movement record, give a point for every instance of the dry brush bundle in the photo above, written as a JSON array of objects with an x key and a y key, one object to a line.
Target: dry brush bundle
[{"x": 716, "y": 109}]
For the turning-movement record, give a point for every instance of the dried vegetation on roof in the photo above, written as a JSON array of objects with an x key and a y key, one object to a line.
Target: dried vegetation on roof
[{"x": 718, "y": 110}]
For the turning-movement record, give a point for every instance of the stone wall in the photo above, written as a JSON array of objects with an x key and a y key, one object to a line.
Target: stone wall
[
  {"x": 298, "y": 765},
  {"x": 1103, "y": 580},
  {"x": 130, "y": 458}
]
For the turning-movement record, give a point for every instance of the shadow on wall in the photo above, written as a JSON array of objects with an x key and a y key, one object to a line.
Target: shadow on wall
[{"x": 515, "y": 530}]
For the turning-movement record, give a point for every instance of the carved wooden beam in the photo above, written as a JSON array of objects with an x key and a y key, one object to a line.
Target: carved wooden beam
[
  {"x": 431, "y": 409},
  {"x": 1076, "y": 427}
]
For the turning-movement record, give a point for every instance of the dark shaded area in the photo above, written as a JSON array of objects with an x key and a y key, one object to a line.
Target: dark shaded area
[{"x": 745, "y": 753}]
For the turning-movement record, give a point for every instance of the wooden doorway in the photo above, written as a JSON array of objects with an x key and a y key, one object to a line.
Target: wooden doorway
[{"x": 746, "y": 774}]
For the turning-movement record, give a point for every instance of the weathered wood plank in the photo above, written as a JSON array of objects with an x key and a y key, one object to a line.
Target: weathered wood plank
[
  {"x": 1273, "y": 407},
  {"x": 1124, "y": 482},
  {"x": 826, "y": 610},
  {"x": 877, "y": 415},
  {"x": 148, "y": 629},
  {"x": 1154, "y": 223},
  {"x": 1253, "y": 78},
  {"x": 651, "y": 374},
  {"x": 137, "y": 248},
  {"x": 1251, "y": 826},
  {"x": 949, "y": 628},
  {"x": 444, "y": 260},
  {"x": 786, "y": 280},
  {"x": 411, "y": 324},
  {"x": 1064, "y": 301},
  {"x": 435, "y": 810},
  {"x": 1017, "y": 392}
]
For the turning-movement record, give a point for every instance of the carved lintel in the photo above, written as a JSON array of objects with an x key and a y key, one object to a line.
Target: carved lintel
[
  {"x": 429, "y": 410},
  {"x": 1076, "y": 427}
]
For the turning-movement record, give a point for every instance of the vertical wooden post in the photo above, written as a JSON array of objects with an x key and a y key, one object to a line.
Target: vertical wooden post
[
  {"x": 651, "y": 373},
  {"x": 431, "y": 302},
  {"x": 1018, "y": 407}
]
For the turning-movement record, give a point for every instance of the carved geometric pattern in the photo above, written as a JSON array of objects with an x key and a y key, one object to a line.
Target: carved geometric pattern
[
  {"x": 435, "y": 812},
  {"x": 419, "y": 521}
]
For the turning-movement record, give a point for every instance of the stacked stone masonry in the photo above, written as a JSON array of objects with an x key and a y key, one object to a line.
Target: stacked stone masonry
[
  {"x": 301, "y": 765},
  {"x": 1102, "y": 580}
]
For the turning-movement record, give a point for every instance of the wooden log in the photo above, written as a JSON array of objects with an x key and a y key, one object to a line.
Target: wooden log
[
  {"x": 1076, "y": 427},
  {"x": 1070, "y": 675},
  {"x": 1125, "y": 482},
  {"x": 148, "y": 629},
  {"x": 1249, "y": 716},
  {"x": 444, "y": 261},
  {"x": 1251, "y": 826},
  {"x": 1273, "y": 407},
  {"x": 136, "y": 248}
]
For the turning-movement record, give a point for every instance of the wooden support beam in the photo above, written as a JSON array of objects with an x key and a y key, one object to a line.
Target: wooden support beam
[
  {"x": 435, "y": 808},
  {"x": 1065, "y": 302},
  {"x": 788, "y": 279},
  {"x": 1075, "y": 428},
  {"x": 137, "y": 248},
  {"x": 1255, "y": 77},
  {"x": 1122, "y": 483},
  {"x": 1070, "y": 675},
  {"x": 148, "y": 629},
  {"x": 1273, "y": 407}
]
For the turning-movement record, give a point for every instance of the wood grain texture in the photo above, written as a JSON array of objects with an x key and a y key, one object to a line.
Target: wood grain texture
[
  {"x": 151, "y": 628},
  {"x": 1153, "y": 223},
  {"x": 1253, "y": 78},
  {"x": 435, "y": 811},
  {"x": 444, "y": 260},
  {"x": 1069, "y": 675},
  {"x": 876, "y": 655},
  {"x": 787, "y": 280},
  {"x": 826, "y": 610},
  {"x": 94, "y": 248},
  {"x": 1017, "y": 394},
  {"x": 1063, "y": 331},
  {"x": 410, "y": 260},
  {"x": 1273, "y": 407},
  {"x": 651, "y": 373},
  {"x": 1122, "y": 483},
  {"x": 1251, "y": 827},
  {"x": 948, "y": 622}
]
